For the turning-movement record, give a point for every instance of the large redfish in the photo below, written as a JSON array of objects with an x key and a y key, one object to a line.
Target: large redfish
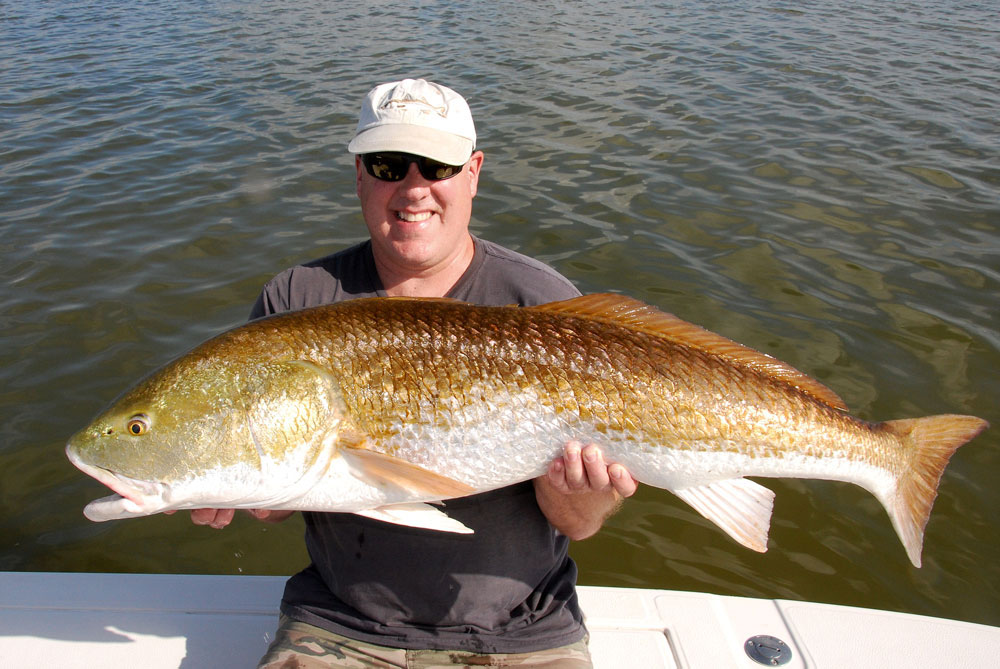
[{"x": 375, "y": 406}]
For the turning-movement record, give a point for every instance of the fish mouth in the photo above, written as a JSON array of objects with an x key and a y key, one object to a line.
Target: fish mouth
[{"x": 132, "y": 498}]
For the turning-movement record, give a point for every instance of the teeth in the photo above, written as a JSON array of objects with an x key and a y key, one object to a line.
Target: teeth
[{"x": 413, "y": 218}]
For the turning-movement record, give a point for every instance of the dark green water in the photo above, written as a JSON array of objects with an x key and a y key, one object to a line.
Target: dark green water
[{"x": 820, "y": 182}]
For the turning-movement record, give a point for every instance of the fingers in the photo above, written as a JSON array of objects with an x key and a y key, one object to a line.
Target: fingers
[
  {"x": 269, "y": 515},
  {"x": 574, "y": 476},
  {"x": 219, "y": 518},
  {"x": 582, "y": 468},
  {"x": 585, "y": 469},
  {"x": 622, "y": 481},
  {"x": 556, "y": 475},
  {"x": 214, "y": 518}
]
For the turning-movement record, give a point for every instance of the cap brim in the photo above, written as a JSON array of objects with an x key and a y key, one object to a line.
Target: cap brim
[{"x": 422, "y": 141}]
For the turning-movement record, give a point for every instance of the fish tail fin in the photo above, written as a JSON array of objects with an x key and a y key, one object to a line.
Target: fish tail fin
[{"x": 930, "y": 441}]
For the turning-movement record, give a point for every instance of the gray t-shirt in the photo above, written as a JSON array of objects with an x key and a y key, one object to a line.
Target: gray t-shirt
[{"x": 507, "y": 588}]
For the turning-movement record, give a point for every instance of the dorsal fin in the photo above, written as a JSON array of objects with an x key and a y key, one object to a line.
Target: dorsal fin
[{"x": 631, "y": 313}]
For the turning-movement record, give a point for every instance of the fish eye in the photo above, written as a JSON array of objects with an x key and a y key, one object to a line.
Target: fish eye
[{"x": 137, "y": 425}]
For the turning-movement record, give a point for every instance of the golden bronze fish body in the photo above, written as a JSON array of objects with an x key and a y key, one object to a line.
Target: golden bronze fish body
[
  {"x": 375, "y": 402},
  {"x": 443, "y": 365}
]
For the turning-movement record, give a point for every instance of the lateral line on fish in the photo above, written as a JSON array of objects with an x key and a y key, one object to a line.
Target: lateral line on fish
[{"x": 629, "y": 312}]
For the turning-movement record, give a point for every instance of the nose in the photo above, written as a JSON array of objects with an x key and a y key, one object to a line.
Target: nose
[
  {"x": 412, "y": 171},
  {"x": 414, "y": 180}
]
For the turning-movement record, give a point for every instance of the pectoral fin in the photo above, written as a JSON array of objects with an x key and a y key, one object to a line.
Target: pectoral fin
[
  {"x": 740, "y": 507},
  {"x": 380, "y": 469},
  {"x": 416, "y": 515}
]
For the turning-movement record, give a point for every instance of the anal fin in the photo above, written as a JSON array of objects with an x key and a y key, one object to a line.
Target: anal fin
[
  {"x": 740, "y": 507},
  {"x": 416, "y": 515}
]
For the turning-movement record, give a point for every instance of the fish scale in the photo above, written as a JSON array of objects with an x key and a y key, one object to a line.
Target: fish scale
[{"x": 374, "y": 406}]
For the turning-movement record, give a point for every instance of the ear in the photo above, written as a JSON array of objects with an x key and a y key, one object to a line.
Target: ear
[
  {"x": 358, "y": 167},
  {"x": 475, "y": 164}
]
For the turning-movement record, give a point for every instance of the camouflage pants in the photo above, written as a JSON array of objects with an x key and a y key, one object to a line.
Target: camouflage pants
[{"x": 298, "y": 645}]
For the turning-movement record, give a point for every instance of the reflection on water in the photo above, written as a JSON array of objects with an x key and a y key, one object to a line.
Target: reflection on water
[{"x": 817, "y": 182}]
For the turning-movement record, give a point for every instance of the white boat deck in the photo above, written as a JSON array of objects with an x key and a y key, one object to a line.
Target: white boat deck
[{"x": 157, "y": 621}]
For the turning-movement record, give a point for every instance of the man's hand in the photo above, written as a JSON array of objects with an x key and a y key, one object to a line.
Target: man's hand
[
  {"x": 580, "y": 491},
  {"x": 219, "y": 518}
]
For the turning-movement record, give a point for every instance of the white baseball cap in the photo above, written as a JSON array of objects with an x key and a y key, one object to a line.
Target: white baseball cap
[{"x": 418, "y": 117}]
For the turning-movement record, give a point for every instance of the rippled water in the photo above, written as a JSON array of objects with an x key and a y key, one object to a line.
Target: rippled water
[{"x": 820, "y": 182}]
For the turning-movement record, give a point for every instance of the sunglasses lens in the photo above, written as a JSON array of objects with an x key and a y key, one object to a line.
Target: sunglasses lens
[
  {"x": 393, "y": 166},
  {"x": 386, "y": 166},
  {"x": 435, "y": 171}
]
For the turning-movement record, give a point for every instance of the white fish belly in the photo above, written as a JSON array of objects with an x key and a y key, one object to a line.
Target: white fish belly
[
  {"x": 486, "y": 447},
  {"x": 485, "y": 454}
]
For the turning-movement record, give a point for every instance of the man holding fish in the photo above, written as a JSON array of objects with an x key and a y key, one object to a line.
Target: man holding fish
[{"x": 393, "y": 594}]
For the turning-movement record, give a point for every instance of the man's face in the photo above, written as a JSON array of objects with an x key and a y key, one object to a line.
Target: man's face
[{"x": 417, "y": 225}]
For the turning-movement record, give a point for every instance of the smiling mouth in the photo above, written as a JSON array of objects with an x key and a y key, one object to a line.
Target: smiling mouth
[{"x": 413, "y": 218}]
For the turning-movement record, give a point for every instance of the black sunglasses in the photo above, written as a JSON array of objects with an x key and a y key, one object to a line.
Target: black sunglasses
[{"x": 394, "y": 166}]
